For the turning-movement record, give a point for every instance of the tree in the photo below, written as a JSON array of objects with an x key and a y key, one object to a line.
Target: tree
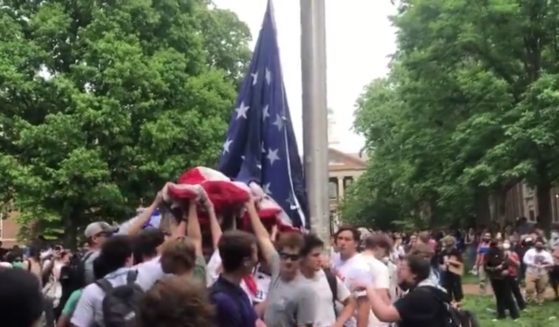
[
  {"x": 104, "y": 101},
  {"x": 472, "y": 88}
]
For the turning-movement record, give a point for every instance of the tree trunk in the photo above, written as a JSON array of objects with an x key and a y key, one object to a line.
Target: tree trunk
[
  {"x": 544, "y": 204},
  {"x": 502, "y": 206},
  {"x": 70, "y": 233},
  {"x": 483, "y": 212}
]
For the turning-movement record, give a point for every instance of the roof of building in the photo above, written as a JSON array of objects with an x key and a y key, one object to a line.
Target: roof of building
[{"x": 338, "y": 160}]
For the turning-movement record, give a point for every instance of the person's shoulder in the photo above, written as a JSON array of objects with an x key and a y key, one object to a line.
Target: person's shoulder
[
  {"x": 76, "y": 294},
  {"x": 91, "y": 292},
  {"x": 153, "y": 263},
  {"x": 360, "y": 260}
]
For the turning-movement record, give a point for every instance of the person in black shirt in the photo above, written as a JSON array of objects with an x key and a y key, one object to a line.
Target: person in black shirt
[
  {"x": 422, "y": 306},
  {"x": 496, "y": 267},
  {"x": 452, "y": 266}
]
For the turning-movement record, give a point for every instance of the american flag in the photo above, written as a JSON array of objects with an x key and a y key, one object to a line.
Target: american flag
[{"x": 260, "y": 145}]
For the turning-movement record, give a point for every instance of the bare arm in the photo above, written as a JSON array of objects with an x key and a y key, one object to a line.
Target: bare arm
[
  {"x": 63, "y": 321},
  {"x": 347, "y": 312},
  {"x": 384, "y": 294},
  {"x": 144, "y": 216},
  {"x": 215, "y": 228},
  {"x": 193, "y": 228},
  {"x": 260, "y": 231},
  {"x": 363, "y": 310},
  {"x": 274, "y": 233},
  {"x": 383, "y": 311}
]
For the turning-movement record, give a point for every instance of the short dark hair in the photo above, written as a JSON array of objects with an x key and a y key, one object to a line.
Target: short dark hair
[
  {"x": 290, "y": 240},
  {"x": 234, "y": 248},
  {"x": 378, "y": 240},
  {"x": 176, "y": 302},
  {"x": 310, "y": 242},
  {"x": 419, "y": 266},
  {"x": 21, "y": 301},
  {"x": 146, "y": 243},
  {"x": 356, "y": 234},
  {"x": 114, "y": 253}
]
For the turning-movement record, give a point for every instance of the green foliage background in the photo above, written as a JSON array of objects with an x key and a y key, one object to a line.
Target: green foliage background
[
  {"x": 103, "y": 101},
  {"x": 469, "y": 109}
]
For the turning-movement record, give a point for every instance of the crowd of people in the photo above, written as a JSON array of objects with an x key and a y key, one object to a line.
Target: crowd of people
[{"x": 140, "y": 275}]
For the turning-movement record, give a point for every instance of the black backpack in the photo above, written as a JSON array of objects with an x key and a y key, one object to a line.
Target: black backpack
[
  {"x": 72, "y": 276},
  {"x": 453, "y": 317},
  {"x": 121, "y": 304}
]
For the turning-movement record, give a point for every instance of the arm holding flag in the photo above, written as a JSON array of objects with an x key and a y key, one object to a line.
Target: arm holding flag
[{"x": 262, "y": 235}]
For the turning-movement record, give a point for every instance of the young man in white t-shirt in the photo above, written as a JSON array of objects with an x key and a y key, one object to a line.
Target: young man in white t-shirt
[
  {"x": 318, "y": 279},
  {"x": 538, "y": 262},
  {"x": 377, "y": 247},
  {"x": 352, "y": 269}
]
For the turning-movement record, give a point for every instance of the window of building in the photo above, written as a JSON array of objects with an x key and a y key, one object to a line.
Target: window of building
[{"x": 333, "y": 188}]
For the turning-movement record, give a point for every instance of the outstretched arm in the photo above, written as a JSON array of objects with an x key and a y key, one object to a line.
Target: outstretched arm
[
  {"x": 215, "y": 228},
  {"x": 194, "y": 231},
  {"x": 266, "y": 245},
  {"x": 144, "y": 216}
]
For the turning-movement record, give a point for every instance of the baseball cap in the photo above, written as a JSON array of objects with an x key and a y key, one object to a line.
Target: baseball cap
[{"x": 99, "y": 227}]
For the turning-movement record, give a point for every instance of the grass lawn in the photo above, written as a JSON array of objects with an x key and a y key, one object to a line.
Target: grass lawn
[{"x": 546, "y": 315}]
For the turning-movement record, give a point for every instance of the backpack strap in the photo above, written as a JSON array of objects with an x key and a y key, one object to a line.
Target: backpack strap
[
  {"x": 131, "y": 276},
  {"x": 333, "y": 284},
  {"x": 105, "y": 285}
]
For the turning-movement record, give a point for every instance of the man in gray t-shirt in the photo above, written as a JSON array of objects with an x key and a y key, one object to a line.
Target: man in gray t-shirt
[{"x": 290, "y": 300}]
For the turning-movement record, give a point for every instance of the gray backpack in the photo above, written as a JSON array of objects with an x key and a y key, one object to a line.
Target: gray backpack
[{"x": 121, "y": 304}]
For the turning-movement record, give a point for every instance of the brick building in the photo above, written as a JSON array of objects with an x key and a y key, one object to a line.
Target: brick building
[{"x": 9, "y": 231}]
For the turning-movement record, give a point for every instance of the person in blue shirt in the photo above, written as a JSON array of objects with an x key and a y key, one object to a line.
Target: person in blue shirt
[{"x": 239, "y": 256}]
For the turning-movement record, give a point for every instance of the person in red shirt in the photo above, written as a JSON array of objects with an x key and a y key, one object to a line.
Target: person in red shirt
[{"x": 513, "y": 266}]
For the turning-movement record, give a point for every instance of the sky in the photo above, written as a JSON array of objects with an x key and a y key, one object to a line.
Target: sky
[{"x": 359, "y": 40}]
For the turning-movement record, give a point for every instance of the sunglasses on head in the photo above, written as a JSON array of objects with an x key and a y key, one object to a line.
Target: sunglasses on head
[{"x": 292, "y": 257}]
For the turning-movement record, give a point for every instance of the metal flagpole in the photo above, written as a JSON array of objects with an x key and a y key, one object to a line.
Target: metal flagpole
[{"x": 315, "y": 121}]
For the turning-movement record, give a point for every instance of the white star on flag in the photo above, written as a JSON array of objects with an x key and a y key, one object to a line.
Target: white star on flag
[
  {"x": 278, "y": 122},
  {"x": 273, "y": 156},
  {"x": 268, "y": 76},
  {"x": 267, "y": 188},
  {"x": 266, "y": 113},
  {"x": 226, "y": 145},
  {"x": 254, "y": 78},
  {"x": 242, "y": 110}
]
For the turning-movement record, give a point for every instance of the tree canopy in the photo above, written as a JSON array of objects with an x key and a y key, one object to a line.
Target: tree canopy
[
  {"x": 469, "y": 109},
  {"x": 103, "y": 101}
]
